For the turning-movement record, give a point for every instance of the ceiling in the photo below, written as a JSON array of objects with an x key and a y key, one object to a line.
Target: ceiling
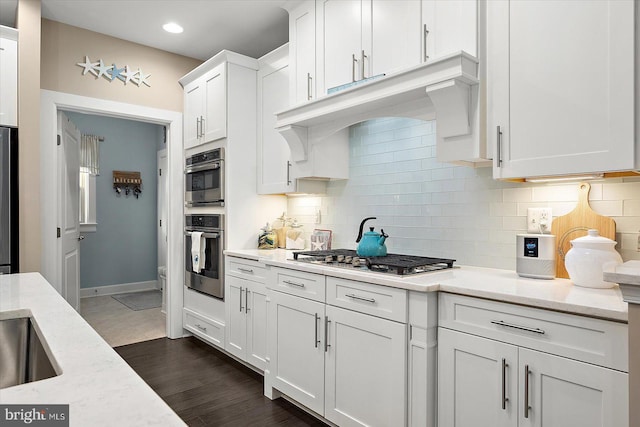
[{"x": 249, "y": 27}]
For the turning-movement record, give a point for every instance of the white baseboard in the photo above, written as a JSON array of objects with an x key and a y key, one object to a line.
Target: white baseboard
[{"x": 119, "y": 289}]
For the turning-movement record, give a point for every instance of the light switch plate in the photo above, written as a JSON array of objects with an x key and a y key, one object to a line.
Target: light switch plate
[{"x": 539, "y": 220}]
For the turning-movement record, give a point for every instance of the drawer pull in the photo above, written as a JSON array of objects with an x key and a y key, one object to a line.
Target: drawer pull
[
  {"x": 505, "y": 399},
  {"x": 245, "y": 270},
  {"x": 527, "y": 408},
  {"x": 202, "y": 328},
  {"x": 326, "y": 333},
  {"x": 354, "y": 296},
  {"x": 522, "y": 328},
  {"x": 288, "y": 282},
  {"x": 316, "y": 340}
]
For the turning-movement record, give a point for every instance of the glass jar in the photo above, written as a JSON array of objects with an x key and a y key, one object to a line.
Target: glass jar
[
  {"x": 267, "y": 238},
  {"x": 296, "y": 236},
  {"x": 280, "y": 227}
]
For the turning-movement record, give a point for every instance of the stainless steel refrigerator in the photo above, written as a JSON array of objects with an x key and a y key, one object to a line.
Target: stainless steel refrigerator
[{"x": 8, "y": 200}]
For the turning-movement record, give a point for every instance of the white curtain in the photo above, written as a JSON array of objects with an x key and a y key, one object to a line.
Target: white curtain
[{"x": 90, "y": 154}]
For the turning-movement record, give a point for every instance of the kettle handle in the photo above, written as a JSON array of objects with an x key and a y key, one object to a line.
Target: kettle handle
[{"x": 362, "y": 226}]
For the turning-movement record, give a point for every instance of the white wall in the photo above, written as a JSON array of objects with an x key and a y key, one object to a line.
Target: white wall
[{"x": 437, "y": 209}]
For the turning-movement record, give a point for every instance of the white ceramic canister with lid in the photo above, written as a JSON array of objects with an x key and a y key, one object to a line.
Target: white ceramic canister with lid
[{"x": 588, "y": 257}]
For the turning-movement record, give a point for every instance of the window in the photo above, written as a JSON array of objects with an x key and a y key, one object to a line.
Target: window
[{"x": 89, "y": 169}]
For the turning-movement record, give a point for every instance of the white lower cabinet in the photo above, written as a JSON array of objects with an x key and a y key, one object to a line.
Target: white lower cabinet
[
  {"x": 246, "y": 320},
  {"x": 346, "y": 366},
  {"x": 495, "y": 383},
  {"x": 203, "y": 316}
]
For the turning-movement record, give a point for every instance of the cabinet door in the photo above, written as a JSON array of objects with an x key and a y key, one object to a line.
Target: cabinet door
[
  {"x": 562, "y": 95},
  {"x": 339, "y": 42},
  {"x": 256, "y": 310},
  {"x": 451, "y": 26},
  {"x": 8, "y": 82},
  {"x": 394, "y": 35},
  {"x": 274, "y": 168},
  {"x": 564, "y": 392},
  {"x": 193, "y": 110},
  {"x": 365, "y": 370},
  {"x": 296, "y": 348},
  {"x": 236, "y": 323},
  {"x": 302, "y": 51},
  {"x": 215, "y": 116},
  {"x": 471, "y": 380}
]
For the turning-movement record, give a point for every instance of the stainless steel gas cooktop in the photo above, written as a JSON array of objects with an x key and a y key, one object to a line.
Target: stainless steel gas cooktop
[{"x": 391, "y": 264}]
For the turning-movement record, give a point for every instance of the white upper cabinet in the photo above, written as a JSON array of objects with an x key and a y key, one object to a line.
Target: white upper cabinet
[
  {"x": 302, "y": 51},
  {"x": 8, "y": 76},
  {"x": 560, "y": 87},
  {"x": 205, "y": 108},
  {"x": 357, "y": 39},
  {"x": 449, "y": 27}
]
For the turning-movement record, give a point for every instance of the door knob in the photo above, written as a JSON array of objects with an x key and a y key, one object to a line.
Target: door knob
[{"x": 81, "y": 237}]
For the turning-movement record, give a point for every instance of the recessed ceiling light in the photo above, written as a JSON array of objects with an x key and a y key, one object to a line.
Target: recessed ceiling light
[{"x": 172, "y": 27}]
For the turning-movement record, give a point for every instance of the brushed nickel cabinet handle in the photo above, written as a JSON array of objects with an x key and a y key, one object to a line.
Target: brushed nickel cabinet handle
[
  {"x": 288, "y": 172},
  {"x": 505, "y": 399},
  {"x": 424, "y": 42},
  {"x": 202, "y": 328},
  {"x": 354, "y": 61},
  {"x": 354, "y": 296},
  {"x": 240, "y": 299},
  {"x": 522, "y": 328},
  {"x": 288, "y": 282},
  {"x": 309, "y": 85},
  {"x": 362, "y": 76},
  {"x": 499, "y": 147},
  {"x": 526, "y": 391},
  {"x": 245, "y": 270},
  {"x": 202, "y": 126},
  {"x": 197, "y": 127},
  {"x": 246, "y": 301},
  {"x": 316, "y": 341},
  {"x": 326, "y": 334}
]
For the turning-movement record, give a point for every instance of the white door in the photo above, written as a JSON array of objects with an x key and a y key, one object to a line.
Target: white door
[
  {"x": 274, "y": 169},
  {"x": 339, "y": 42},
  {"x": 162, "y": 207},
  {"x": 69, "y": 209},
  {"x": 256, "y": 313},
  {"x": 558, "y": 113},
  {"x": 193, "y": 113},
  {"x": 451, "y": 27},
  {"x": 395, "y": 36},
  {"x": 236, "y": 319},
  {"x": 564, "y": 392},
  {"x": 366, "y": 370},
  {"x": 296, "y": 348},
  {"x": 472, "y": 374},
  {"x": 215, "y": 115},
  {"x": 302, "y": 51}
]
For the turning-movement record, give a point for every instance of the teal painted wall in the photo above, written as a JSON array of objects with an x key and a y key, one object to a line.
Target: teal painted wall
[{"x": 124, "y": 247}]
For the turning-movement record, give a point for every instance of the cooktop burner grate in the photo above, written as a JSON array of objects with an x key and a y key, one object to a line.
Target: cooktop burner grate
[{"x": 392, "y": 263}]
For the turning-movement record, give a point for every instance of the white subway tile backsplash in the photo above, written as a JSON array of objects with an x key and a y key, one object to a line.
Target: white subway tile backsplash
[{"x": 437, "y": 209}]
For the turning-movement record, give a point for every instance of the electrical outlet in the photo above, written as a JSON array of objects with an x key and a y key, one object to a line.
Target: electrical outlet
[{"x": 539, "y": 220}]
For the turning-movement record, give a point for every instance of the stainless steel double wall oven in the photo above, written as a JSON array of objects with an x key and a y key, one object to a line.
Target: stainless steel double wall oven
[{"x": 204, "y": 179}]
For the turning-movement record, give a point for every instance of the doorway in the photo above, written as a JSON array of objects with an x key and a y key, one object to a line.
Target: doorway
[
  {"x": 120, "y": 228},
  {"x": 51, "y": 103}
]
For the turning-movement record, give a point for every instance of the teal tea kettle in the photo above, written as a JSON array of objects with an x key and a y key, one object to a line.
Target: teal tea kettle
[{"x": 371, "y": 244}]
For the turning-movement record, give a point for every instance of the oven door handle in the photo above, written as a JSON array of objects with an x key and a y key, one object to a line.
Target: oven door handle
[
  {"x": 205, "y": 235},
  {"x": 214, "y": 164}
]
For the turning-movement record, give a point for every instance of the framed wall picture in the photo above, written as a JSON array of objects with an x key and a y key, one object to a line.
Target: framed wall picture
[{"x": 320, "y": 240}]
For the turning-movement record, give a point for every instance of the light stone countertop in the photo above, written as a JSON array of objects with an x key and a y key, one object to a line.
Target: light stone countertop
[
  {"x": 99, "y": 386},
  {"x": 495, "y": 284}
]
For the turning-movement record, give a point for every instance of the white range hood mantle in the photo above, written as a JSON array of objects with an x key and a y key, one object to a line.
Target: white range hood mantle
[{"x": 439, "y": 89}]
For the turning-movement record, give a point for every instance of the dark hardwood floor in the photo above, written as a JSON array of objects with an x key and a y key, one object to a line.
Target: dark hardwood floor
[{"x": 207, "y": 388}]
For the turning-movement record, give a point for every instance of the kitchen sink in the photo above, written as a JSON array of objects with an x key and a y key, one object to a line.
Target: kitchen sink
[{"x": 23, "y": 357}]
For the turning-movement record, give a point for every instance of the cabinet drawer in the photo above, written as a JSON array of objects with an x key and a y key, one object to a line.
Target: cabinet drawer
[
  {"x": 307, "y": 285},
  {"x": 382, "y": 301},
  {"x": 596, "y": 341},
  {"x": 208, "y": 329},
  {"x": 246, "y": 268}
]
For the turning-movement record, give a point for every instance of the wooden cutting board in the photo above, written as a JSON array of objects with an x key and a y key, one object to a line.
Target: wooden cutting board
[{"x": 575, "y": 224}]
